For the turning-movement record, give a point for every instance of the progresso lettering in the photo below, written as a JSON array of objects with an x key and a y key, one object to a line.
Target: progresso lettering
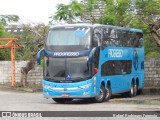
[
  {"x": 115, "y": 53},
  {"x": 66, "y": 53}
]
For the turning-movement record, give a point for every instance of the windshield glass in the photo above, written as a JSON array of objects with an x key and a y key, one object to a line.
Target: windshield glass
[
  {"x": 66, "y": 36},
  {"x": 66, "y": 68}
]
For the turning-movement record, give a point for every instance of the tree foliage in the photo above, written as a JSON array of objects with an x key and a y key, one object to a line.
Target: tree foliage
[
  {"x": 117, "y": 12},
  {"x": 68, "y": 12},
  {"x": 5, "y": 19},
  {"x": 32, "y": 38},
  {"x": 149, "y": 10},
  {"x": 4, "y": 53},
  {"x": 1, "y": 30}
]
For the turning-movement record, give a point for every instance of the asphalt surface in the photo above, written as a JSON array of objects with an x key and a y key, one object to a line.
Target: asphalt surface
[{"x": 12, "y": 100}]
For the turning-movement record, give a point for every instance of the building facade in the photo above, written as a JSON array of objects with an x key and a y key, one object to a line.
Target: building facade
[{"x": 94, "y": 10}]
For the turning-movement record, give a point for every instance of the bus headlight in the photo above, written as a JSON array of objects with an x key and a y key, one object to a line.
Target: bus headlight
[
  {"x": 94, "y": 89},
  {"x": 94, "y": 80}
]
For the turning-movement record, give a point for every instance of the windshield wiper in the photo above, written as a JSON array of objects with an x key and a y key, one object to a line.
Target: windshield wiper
[
  {"x": 76, "y": 78},
  {"x": 54, "y": 78}
]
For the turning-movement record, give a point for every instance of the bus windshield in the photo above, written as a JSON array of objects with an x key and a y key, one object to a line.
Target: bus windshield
[
  {"x": 67, "y": 36},
  {"x": 66, "y": 69}
]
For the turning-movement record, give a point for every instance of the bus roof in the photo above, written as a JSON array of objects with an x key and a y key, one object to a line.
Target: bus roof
[{"x": 98, "y": 25}]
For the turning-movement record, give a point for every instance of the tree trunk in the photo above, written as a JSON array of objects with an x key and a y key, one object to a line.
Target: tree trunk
[
  {"x": 154, "y": 29},
  {"x": 24, "y": 71}
]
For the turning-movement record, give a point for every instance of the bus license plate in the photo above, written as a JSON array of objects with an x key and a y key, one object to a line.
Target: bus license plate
[{"x": 65, "y": 95}]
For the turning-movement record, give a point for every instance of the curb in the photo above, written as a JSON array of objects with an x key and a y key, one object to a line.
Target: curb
[
  {"x": 31, "y": 90},
  {"x": 151, "y": 91}
]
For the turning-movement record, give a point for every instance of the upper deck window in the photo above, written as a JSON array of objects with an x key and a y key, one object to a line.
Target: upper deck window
[
  {"x": 120, "y": 37},
  {"x": 66, "y": 36}
]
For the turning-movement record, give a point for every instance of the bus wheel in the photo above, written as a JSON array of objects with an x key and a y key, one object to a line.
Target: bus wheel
[
  {"x": 108, "y": 93},
  {"x": 135, "y": 89},
  {"x": 62, "y": 100},
  {"x": 101, "y": 97},
  {"x": 131, "y": 93}
]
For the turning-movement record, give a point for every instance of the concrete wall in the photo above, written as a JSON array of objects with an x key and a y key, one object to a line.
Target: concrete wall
[
  {"x": 35, "y": 75},
  {"x": 152, "y": 72}
]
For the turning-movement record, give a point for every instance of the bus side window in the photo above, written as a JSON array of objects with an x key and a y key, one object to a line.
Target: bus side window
[
  {"x": 96, "y": 38},
  {"x": 105, "y": 39},
  {"x": 137, "y": 40}
]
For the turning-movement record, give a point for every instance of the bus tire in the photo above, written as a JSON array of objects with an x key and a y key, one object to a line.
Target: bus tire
[
  {"x": 131, "y": 92},
  {"x": 108, "y": 93},
  {"x": 101, "y": 97},
  {"x": 135, "y": 89},
  {"x": 62, "y": 100}
]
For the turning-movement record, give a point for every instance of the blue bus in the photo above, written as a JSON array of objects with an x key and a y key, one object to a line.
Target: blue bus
[{"x": 92, "y": 61}]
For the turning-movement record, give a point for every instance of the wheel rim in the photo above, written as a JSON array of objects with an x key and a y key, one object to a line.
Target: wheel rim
[
  {"x": 107, "y": 93},
  {"x": 135, "y": 89},
  {"x": 132, "y": 90},
  {"x": 100, "y": 96}
]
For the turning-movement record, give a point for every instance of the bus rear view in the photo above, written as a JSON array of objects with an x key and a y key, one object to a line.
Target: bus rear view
[{"x": 73, "y": 59}]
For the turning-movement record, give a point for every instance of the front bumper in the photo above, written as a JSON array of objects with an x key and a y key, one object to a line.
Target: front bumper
[{"x": 83, "y": 89}]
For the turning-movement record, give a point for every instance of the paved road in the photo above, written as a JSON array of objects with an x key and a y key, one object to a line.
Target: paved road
[
  {"x": 34, "y": 101},
  {"x": 23, "y": 101}
]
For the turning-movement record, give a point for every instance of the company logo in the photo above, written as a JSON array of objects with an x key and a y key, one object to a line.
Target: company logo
[
  {"x": 66, "y": 53},
  {"x": 115, "y": 53},
  {"x": 20, "y": 114},
  {"x": 6, "y": 114},
  {"x": 68, "y": 76}
]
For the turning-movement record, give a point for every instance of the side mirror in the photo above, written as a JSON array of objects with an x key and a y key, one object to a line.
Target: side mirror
[{"x": 38, "y": 56}]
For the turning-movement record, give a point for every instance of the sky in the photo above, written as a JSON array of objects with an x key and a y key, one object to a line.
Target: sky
[{"x": 36, "y": 11}]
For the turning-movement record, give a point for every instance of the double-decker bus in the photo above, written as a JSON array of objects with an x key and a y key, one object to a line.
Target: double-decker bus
[{"x": 92, "y": 61}]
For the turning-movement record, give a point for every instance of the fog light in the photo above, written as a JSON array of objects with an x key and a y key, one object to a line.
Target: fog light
[{"x": 86, "y": 92}]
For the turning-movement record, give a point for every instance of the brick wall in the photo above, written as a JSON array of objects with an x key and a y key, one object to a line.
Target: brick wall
[{"x": 152, "y": 72}]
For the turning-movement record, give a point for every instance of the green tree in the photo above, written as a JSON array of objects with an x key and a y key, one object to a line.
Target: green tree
[
  {"x": 148, "y": 18},
  {"x": 5, "y": 19},
  {"x": 32, "y": 38},
  {"x": 4, "y": 53},
  {"x": 1, "y": 30},
  {"x": 68, "y": 12},
  {"x": 149, "y": 13},
  {"x": 117, "y": 12}
]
